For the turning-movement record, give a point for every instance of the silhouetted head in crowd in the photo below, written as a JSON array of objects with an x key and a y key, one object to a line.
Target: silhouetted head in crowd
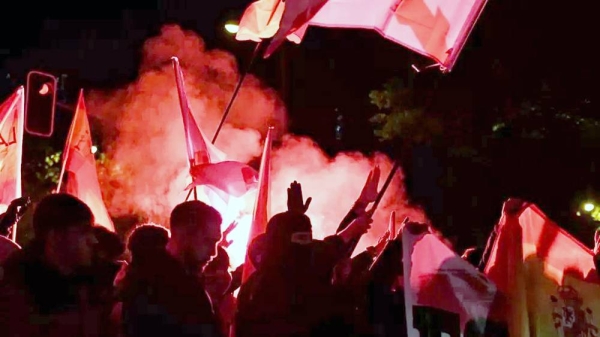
[
  {"x": 289, "y": 238},
  {"x": 256, "y": 250},
  {"x": 195, "y": 232},
  {"x": 146, "y": 240},
  {"x": 110, "y": 247},
  {"x": 216, "y": 274},
  {"x": 63, "y": 228}
]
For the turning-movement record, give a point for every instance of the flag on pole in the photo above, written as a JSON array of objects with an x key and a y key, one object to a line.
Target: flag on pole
[
  {"x": 262, "y": 205},
  {"x": 437, "y": 29},
  {"x": 548, "y": 278},
  {"x": 79, "y": 166},
  {"x": 207, "y": 163},
  {"x": 12, "y": 113},
  {"x": 261, "y": 20},
  {"x": 440, "y": 286}
]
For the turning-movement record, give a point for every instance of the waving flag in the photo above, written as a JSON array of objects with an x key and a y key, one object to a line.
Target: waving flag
[
  {"x": 11, "y": 148},
  {"x": 548, "y": 278},
  {"x": 207, "y": 164},
  {"x": 262, "y": 206},
  {"x": 437, "y": 29},
  {"x": 79, "y": 166},
  {"x": 440, "y": 286}
]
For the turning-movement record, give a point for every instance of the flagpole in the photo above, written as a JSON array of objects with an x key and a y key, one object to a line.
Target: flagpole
[{"x": 237, "y": 88}]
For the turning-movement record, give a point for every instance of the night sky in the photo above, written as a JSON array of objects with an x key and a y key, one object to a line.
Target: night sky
[{"x": 515, "y": 47}]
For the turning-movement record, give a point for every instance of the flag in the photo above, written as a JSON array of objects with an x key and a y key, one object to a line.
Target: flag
[
  {"x": 441, "y": 286},
  {"x": 11, "y": 148},
  {"x": 260, "y": 217},
  {"x": 548, "y": 278},
  {"x": 437, "y": 29},
  {"x": 199, "y": 150},
  {"x": 207, "y": 163},
  {"x": 261, "y": 21},
  {"x": 296, "y": 15},
  {"x": 79, "y": 165}
]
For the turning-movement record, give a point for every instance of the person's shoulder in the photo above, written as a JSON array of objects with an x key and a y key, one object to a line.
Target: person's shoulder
[{"x": 7, "y": 247}]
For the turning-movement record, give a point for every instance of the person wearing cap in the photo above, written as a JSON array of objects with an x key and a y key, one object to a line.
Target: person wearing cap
[
  {"x": 45, "y": 287},
  {"x": 169, "y": 299}
]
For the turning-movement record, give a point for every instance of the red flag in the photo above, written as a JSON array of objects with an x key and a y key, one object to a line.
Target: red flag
[
  {"x": 207, "y": 163},
  {"x": 79, "y": 165},
  {"x": 296, "y": 15},
  {"x": 549, "y": 279},
  {"x": 437, "y": 29},
  {"x": 11, "y": 149},
  {"x": 437, "y": 280},
  {"x": 261, "y": 208}
]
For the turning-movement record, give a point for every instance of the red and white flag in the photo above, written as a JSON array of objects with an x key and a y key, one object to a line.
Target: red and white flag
[
  {"x": 437, "y": 29},
  {"x": 262, "y": 205},
  {"x": 11, "y": 148},
  {"x": 207, "y": 164},
  {"x": 79, "y": 166},
  {"x": 440, "y": 285}
]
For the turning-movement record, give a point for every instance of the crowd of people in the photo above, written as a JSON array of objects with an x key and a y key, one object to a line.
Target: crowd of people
[{"x": 78, "y": 279}]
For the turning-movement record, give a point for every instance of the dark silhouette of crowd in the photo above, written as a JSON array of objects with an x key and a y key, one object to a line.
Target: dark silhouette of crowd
[{"x": 78, "y": 279}]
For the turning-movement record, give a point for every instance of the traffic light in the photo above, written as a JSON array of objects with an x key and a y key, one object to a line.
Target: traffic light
[{"x": 40, "y": 103}]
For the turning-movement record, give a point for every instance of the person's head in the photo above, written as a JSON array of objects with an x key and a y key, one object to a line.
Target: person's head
[
  {"x": 63, "y": 228},
  {"x": 146, "y": 240},
  {"x": 195, "y": 232},
  {"x": 110, "y": 247},
  {"x": 216, "y": 274},
  {"x": 256, "y": 250},
  {"x": 289, "y": 237}
]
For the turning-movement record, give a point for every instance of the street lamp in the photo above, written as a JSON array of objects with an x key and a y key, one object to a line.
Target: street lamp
[
  {"x": 232, "y": 27},
  {"x": 588, "y": 206}
]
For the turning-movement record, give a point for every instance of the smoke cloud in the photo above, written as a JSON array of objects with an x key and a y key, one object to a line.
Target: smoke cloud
[{"x": 145, "y": 148}]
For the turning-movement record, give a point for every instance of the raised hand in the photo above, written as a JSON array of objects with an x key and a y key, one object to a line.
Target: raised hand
[
  {"x": 295, "y": 201},
  {"x": 224, "y": 242},
  {"x": 369, "y": 191}
]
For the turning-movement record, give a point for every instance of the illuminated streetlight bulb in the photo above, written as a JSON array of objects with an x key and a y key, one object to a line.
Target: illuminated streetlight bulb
[
  {"x": 232, "y": 28},
  {"x": 588, "y": 207},
  {"x": 94, "y": 149}
]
